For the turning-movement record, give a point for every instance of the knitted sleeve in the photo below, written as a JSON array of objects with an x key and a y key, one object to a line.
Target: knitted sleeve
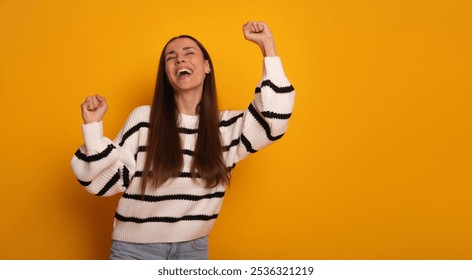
[
  {"x": 104, "y": 167},
  {"x": 266, "y": 119}
]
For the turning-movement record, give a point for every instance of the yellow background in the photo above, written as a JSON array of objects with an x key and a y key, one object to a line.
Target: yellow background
[{"x": 376, "y": 164}]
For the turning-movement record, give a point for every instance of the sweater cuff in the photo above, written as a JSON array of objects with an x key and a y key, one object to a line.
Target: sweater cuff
[
  {"x": 93, "y": 134},
  {"x": 273, "y": 67}
]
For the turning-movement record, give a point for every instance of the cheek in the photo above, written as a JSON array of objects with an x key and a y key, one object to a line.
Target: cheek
[
  {"x": 167, "y": 72},
  {"x": 202, "y": 66}
]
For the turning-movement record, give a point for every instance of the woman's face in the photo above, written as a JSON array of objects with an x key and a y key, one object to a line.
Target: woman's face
[{"x": 185, "y": 65}]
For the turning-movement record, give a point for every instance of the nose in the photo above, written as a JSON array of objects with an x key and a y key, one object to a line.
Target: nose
[{"x": 180, "y": 59}]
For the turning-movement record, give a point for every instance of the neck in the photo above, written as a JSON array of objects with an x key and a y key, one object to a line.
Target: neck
[{"x": 187, "y": 101}]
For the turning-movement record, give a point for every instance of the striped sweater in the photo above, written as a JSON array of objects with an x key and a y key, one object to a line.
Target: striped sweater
[{"x": 182, "y": 209}]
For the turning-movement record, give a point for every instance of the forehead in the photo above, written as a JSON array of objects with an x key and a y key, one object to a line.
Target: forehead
[{"x": 181, "y": 44}]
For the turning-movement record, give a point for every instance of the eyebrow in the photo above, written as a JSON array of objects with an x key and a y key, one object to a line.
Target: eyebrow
[{"x": 185, "y": 49}]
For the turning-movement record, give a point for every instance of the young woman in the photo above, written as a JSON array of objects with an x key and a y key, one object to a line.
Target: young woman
[{"x": 173, "y": 159}]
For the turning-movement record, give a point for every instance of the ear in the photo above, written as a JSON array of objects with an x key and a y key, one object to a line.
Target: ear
[{"x": 207, "y": 67}]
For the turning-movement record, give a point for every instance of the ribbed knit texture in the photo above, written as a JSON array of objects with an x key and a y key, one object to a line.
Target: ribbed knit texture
[{"x": 182, "y": 209}]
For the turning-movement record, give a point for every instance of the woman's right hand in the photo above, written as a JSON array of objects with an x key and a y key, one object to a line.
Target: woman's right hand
[{"x": 93, "y": 109}]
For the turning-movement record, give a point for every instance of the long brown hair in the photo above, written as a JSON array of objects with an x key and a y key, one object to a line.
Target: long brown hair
[{"x": 164, "y": 159}]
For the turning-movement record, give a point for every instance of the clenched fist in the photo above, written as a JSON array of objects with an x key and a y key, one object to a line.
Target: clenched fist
[
  {"x": 94, "y": 108},
  {"x": 259, "y": 33}
]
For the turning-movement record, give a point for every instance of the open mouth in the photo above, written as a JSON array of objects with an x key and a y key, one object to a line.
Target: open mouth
[{"x": 183, "y": 73}]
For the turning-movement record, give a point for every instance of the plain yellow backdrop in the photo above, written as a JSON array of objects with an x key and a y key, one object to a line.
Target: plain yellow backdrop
[{"x": 376, "y": 163}]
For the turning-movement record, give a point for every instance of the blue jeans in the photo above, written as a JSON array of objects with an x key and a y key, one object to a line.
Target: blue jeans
[{"x": 189, "y": 250}]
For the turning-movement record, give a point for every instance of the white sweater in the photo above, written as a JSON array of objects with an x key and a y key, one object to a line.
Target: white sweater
[{"x": 182, "y": 209}]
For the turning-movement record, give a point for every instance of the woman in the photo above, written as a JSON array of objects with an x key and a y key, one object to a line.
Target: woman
[{"x": 173, "y": 159}]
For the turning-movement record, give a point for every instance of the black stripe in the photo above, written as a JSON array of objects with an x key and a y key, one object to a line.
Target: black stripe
[
  {"x": 141, "y": 149},
  {"x": 109, "y": 184},
  {"x": 165, "y": 219},
  {"x": 273, "y": 115},
  {"x": 231, "y": 167},
  {"x": 125, "y": 177},
  {"x": 181, "y": 175},
  {"x": 189, "y": 175},
  {"x": 275, "y": 88},
  {"x": 233, "y": 143},
  {"x": 133, "y": 130},
  {"x": 247, "y": 144},
  {"x": 85, "y": 184},
  {"x": 96, "y": 157},
  {"x": 229, "y": 122},
  {"x": 185, "y": 130},
  {"x": 263, "y": 123},
  {"x": 153, "y": 198}
]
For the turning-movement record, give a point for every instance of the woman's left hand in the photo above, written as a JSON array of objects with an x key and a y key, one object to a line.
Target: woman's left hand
[{"x": 259, "y": 33}]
